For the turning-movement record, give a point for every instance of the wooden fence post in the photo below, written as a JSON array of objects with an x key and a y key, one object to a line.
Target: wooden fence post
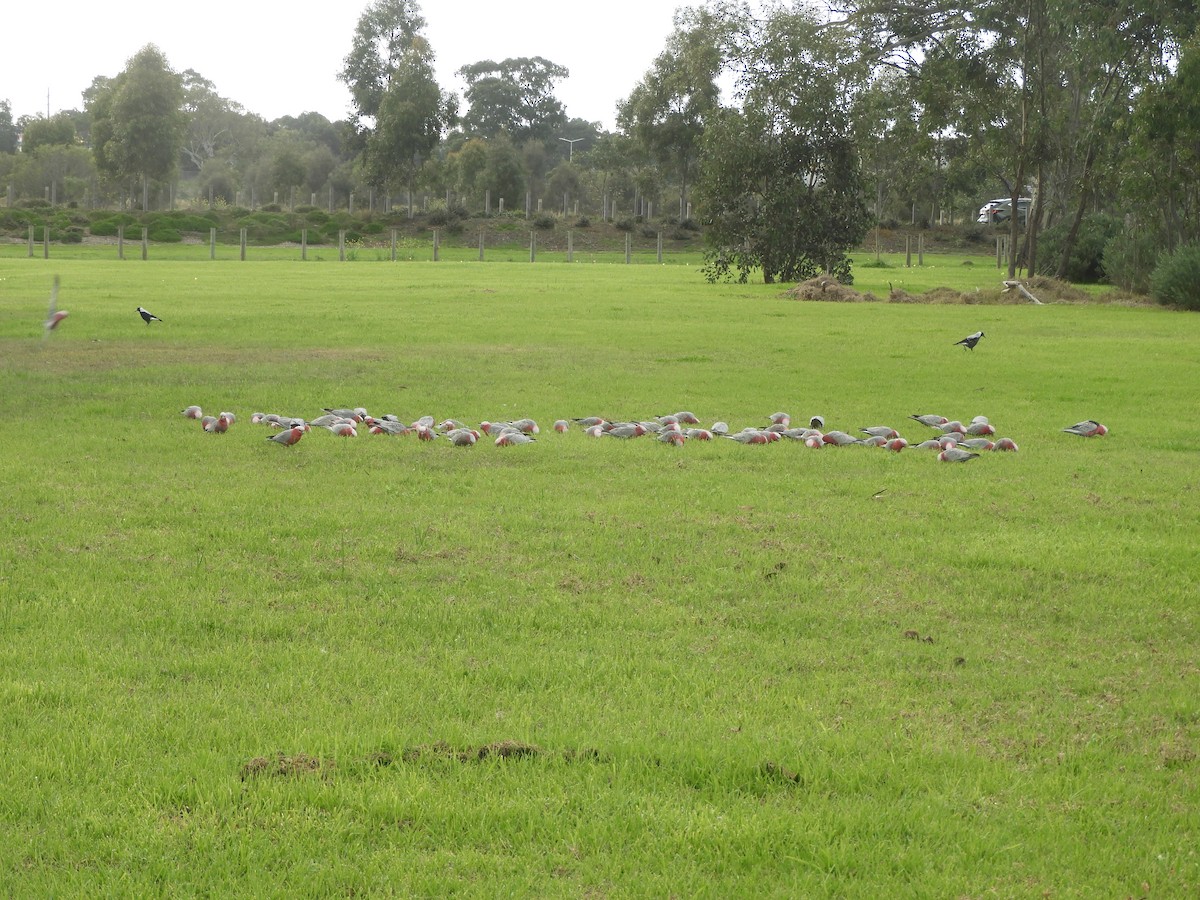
[
  {"x": 660, "y": 248},
  {"x": 303, "y": 244},
  {"x": 145, "y": 243},
  {"x": 393, "y": 245},
  {"x": 31, "y": 242},
  {"x": 532, "y": 245},
  {"x": 342, "y": 240},
  {"x": 436, "y": 244},
  {"x": 45, "y": 242},
  {"x": 481, "y": 245},
  {"x": 120, "y": 242},
  {"x": 570, "y": 246},
  {"x": 908, "y": 251},
  {"x": 921, "y": 248},
  {"x": 243, "y": 242},
  {"x": 212, "y": 243},
  {"x": 628, "y": 248}
]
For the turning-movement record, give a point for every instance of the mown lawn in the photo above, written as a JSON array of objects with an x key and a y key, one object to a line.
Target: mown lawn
[{"x": 588, "y": 666}]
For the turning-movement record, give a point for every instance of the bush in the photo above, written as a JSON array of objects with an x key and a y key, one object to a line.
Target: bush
[
  {"x": 1085, "y": 264},
  {"x": 545, "y": 221},
  {"x": 583, "y": 222},
  {"x": 1176, "y": 279},
  {"x": 623, "y": 225},
  {"x": 1128, "y": 260},
  {"x": 72, "y": 235},
  {"x": 164, "y": 234}
]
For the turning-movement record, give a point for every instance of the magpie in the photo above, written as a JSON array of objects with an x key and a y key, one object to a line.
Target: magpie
[
  {"x": 970, "y": 340},
  {"x": 148, "y": 316}
]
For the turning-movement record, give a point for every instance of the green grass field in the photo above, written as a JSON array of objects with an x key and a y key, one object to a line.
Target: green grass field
[{"x": 589, "y": 667}]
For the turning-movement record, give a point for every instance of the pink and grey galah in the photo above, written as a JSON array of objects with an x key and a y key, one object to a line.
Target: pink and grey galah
[
  {"x": 562, "y": 426},
  {"x": 884, "y": 431},
  {"x": 930, "y": 419},
  {"x": 957, "y": 454},
  {"x": 840, "y": 438},
  {"x": 216, "y": 424},
  {"x": 896, "y": 444},
  {"x": 512, "y": 438},
  {"x": 192, "y": 412},
  {"x": 1087, "y": 428},
  {"x": 54, "y": 315},
  {"x": 288, "y": 437},
  {"x": 1005, "y": 444}
]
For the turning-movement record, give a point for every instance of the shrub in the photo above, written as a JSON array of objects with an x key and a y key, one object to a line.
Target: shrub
[
  {"x": 583, "y": 222},
  {"x": 164, "y": 234},
  {"x": 1129, "y": 258},
  {"x": 72, "y": 235},
  {"x": 545, "y": 221},
  {"x": 1085, "y": 264},
  {"x": 1176, "y": 279},
  {"x": 650, "y": 232},
  {"x": 623, "y": 225}
]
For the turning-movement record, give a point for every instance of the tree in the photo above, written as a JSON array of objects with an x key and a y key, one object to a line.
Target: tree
[
  {"x": 137, "y": 120},
  {"x": 8, "y": 129},
  {"x": 515, "y": 96},
  {"x": 400, "y": 113},
  {"x": 57, "y": 131},
  {"x": 779, "y": 185},
  {"x": 667, "y": 110}
]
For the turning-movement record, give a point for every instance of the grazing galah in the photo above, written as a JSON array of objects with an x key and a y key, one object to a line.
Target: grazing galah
[
  {"x": 896, "y": 444},
  {"x": 594, "y": 431},
  {"x": 884, "y": 431},
  {"x": 950, "y": 440},
  {"x": 931, "y": 444},
  {"x": 356, "y": 415},
  {"x": 510, "y": 438},
  {"x": 698, "y": 434},
  {"x": 258, "y": 418},
  {"x": 930, "y": 419},
  {"x": 675, "y": 438},
  {"x": 424, "y": 432},
  {"x": 192, "y": 412},
  {"x": 1087, "y": 428},
  {"x": 654, "y": 427},
  {"x": 230, "y": 416},
  {"x": 148, "y": 316},
  {"x": 980, "y": 419},
  {"x": 344, "y": 429},
  {"x": 426, "y": 421},
  {"x": 462, "y": 437},
  {"x": 216, "y": 424},
  {"x": 815, "y": 441},
  {"x": 1005, "y": 444},
  {"x": 389, "y": 426},
  {"x": 628, "y": 430},
  {"x": 450, "y": 425},
  {"x": 528, "y": 426},
  {"x": 667, "y": 420},
  {"x": 54, "y": 315},
  {"x": 749, "y": 436},
  {"x": 980, "y": 428},
  {"x": 977, "y": 443},
  {"x": 288, "y": 437},
  {"x": 561, "y": 426},
  {"x": 720, "y": 428},
  {"x": 957, "y": 454},
  {"x": 329, "y": 419},
  {"x": 590, "y": 421},
  {"x": 780, "y": 418},
  {"x": 874, "y": 440},
  {"x": 970, "y": 340},
  {"x": 954, "y": 426},
  {"x": 840, "y": 438}
]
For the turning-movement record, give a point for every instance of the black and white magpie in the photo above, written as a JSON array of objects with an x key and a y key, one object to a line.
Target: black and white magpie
[
  {"x": 148, "y": 316},
  {"x": 970, "y": 340}
]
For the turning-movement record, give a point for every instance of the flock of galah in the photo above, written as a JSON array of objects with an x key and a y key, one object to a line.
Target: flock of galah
[{"x": 954, "y": 440}]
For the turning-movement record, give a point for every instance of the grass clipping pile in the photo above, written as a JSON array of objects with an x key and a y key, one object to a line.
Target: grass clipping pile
[{"x": 829, "y": 289}]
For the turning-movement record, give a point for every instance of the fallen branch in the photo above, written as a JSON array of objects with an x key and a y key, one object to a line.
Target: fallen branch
[{"x": 1009, "y": 285}]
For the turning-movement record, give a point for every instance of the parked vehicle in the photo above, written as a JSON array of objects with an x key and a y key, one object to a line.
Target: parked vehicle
[{"x": 1000, "y": 210}]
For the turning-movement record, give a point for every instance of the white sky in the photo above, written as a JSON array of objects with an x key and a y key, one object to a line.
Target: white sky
[{"x": 279, "y": 59}]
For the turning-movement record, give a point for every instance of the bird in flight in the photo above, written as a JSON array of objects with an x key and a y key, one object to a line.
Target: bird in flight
[
  {"x": 54, "y": 315},
  {"x": 970, "y": 340},
  {"x": 148, "y": 316}
]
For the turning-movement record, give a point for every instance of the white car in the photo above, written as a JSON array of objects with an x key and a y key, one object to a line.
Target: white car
[{"x": 995, "y": 211}]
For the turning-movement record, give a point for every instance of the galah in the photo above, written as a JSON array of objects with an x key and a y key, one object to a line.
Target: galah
[
  {"x": 424, "y": 432},
  {"x": 980, "y": 429},
  {"x": 628, "y": 430},
  {"x": 720, "y": 428},
  {"x": 957, "y": 454},
  {"x": 884, "y": 431},
  {"x": 896, "y": 444},
  {"x": 54, "y": 315},
  {"x": 749, "y": 437},
  {"x": 675, "y": 438},
  {"x": 343, "y": 429},
  {"x": 590, "y": 421},
  {"x": 874, "y": 440},
  {"x": 698, "y": 434},
  {"x": 978, "y": 443},
  {"x": 930, "y": 419},
  {"x": 287, "y": 438},
  {"x": 192, "y": 412},
  {"x": 216, "y": 424},
  {"x": 931, "y": 444},
  {"x": 1005, "y": 444},
  {"x": 840, "y": 438},
  {"x": 511, "y": 438},
  {"x": 953, "y": 426},
  {"x": 562, "y": 426},
  {"x": 970, "y": 340},
  {"x": 780, "y": 418},
  {"x": 528, "y": 426},
  {"x": 462, "y": 437},
  {"x": 1087, "y": 428}
]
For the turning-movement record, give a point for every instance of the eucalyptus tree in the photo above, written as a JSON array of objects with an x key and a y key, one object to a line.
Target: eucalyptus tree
[
  {"x": 515, "y": 96},
  {"x": 137, "y": 120},
  {"x": 667, "y": 110},
  {"x": 400, "y": 113},
  {"x": 56, "y": 131},
  {"x": 8, "y": 128},
  {"x": 780, "y": 186}
]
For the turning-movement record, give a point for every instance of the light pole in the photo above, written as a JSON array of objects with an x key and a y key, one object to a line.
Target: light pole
[{"x": 571, "y": 142}]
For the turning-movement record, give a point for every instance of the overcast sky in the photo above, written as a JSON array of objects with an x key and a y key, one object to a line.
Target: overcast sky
[{"x": 280, "y": 59}]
